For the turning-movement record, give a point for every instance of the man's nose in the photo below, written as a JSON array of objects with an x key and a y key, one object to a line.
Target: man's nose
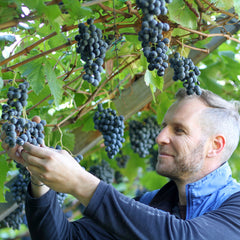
[{"x": 163, "y": 137}]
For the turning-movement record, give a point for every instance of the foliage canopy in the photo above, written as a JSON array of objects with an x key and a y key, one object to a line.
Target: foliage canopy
[{"x": 37, "y": 43}]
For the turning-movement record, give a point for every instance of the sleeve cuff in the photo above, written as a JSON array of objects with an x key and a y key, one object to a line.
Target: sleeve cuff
[
  {"x": 96, "y": 199},
  {"x": 41, "y": 201}
]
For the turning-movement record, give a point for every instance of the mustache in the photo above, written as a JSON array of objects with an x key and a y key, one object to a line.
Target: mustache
[{"x": 166, "y": 151}]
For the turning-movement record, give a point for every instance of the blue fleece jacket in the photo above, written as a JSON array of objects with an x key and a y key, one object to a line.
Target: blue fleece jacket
[{"x": 213, "y": 211}]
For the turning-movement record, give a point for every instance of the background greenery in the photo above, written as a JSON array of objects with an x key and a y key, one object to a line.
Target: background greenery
[{"x": 37, "y": 44}]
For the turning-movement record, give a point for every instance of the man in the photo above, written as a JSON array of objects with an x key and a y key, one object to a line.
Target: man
[{"x": 202, "y": 200}]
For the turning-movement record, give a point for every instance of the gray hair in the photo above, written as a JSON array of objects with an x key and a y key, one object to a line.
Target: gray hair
[{"x": 222, "y": 117}]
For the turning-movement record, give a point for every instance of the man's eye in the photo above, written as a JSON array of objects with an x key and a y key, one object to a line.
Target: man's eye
[{"x": 179, "y": 130}]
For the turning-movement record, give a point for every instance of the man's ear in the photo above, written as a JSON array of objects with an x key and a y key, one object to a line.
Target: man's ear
[{"x": 218, "y": 144}]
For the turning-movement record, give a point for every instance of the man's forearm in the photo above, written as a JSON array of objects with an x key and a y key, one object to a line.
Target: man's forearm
[
  {"x": 85, "y": 186},
  {"x": 37, "y": 189}
]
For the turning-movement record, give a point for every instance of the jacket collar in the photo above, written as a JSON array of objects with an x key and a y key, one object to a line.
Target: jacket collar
[
  {"x": 211, "y": 182},
  {"x": 167, "y": 196}
]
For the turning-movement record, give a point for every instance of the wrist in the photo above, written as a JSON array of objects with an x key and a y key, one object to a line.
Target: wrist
[
  {"x": 38, "y": 188},
  {"x": 35, "y": 181},
  {"x": 39, "y": 184},
  {"x": 86, "y": 188}
]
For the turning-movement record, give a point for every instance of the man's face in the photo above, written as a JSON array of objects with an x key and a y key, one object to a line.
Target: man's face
[{"x": 182, "y": 146}]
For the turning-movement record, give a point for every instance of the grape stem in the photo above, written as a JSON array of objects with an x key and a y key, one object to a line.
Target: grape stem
[
  {"x": 106, "y": 8},
  {"x": 206, "y": 35},
  {"x": 211, "y": 5},
  {"x": 27, "y": 49},
  {"x": 191, "y": 47},
  {"x": 68, "y": 43}
]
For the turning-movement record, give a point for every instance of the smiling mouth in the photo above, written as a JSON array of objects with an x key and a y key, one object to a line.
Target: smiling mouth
[{"x": 163, "y": 154}]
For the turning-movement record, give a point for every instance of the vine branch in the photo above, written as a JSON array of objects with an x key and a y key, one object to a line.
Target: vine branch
[
  {"x": 27, "y": 49},
  {"x": 208, "y": 35},
  {"x": 69, "y": 43},
  {"x": 67, "y": 120},
  {"x": 191, "y": 47}
]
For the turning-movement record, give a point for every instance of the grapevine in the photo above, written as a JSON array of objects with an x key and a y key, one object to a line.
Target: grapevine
[
  {"x": 154, "y": 45},
  {"x": 122, "y": 160},
  {"x": 112, "y": 128},
  {"x": 142, "y": 135},
  {"x": 14, "y": 219},
  {"x": 187, "y": 72},
  {"x": 103, "y": 171},
  {"x": 118, "y": 177},
  {"x": 153, "y": 159},
  {"x": 20, "y": 130},
  {"x": 19, "y": 188},
  {"x": 92, "y": 47}
]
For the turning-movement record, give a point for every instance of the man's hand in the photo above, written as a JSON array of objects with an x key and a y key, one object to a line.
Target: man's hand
[{"x": 60, "y": 171}]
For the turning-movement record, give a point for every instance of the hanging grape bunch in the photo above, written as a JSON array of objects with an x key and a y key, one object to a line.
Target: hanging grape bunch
[
  {"x": 19, "y": 188},
  {"x": 15, "y": 218},
  {"x": 186, "y": 71},
  {"x": 142, "y": 135},
  {"x": 112, "y": 128},
  {"x": 17, "y": 99},
  {"x": 92, "y": 47},
  {"x": 154, "y": 45},
  {"x": 103, "y": 171},
  {"x": 122, "y": 159},
  {"x": 19, "y": 130}
]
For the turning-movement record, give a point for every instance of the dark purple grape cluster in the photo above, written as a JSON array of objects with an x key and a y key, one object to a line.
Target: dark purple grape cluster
[
  {"x": 143, "y": 134},
  {"x": 103, "y": 171},
  {"x": 153, "y": 160},
  {"x": 112, "y": 128},
  {"x": 122, "y": 159},
  {"x": 186, "y": 71},
  {"x": 92, "y": 46},
  {"x": 19, "y": 188},
  {"x": 22, "y": 170},
  {"x": 14, "y": 219},
  {"x": 153, "y": 7},
  {"x": 154, "y": 45},
  {"x": 119, "y": 178},
  {"x": 17, "y": 99},
  {"x": 20, "y": 130},
  {"x": 61, "y": 198}
]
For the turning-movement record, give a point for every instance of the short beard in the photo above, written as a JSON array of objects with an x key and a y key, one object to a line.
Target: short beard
[{"x": 184, "y": 168}]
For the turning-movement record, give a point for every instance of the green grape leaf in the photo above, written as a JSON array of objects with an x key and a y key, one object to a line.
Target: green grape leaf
[
  {"x": 55, "y": 84},
  {"x": 73, "y": 7},
  {"x": 1, "y": 83},
  {"x": 63, "y": 138},
  {"x": 237, "y": 6},
  {"x": 4, "y": 169},
  {"x": 208, "y": 78},
  {"x": 223, "y": 4},
  {"x": 38, "y": 5},
  {"x": 88, "y": 123},
  {"x": 143, "y": 61},
  {"x": 153, "y": 81},
  {"x": 165, "y": 103},
  {"x": 176, "y": 11},
  {"x": 34, "y": 71},
  {"x": 57, "y": 40},
  {"x": 52, "y": 12}
]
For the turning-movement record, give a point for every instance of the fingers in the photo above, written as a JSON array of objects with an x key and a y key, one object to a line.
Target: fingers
[
  {"x": 41, "y": 152},
  {"x": 30, "y": 159},
  {"x": 14, "y": 153}
]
